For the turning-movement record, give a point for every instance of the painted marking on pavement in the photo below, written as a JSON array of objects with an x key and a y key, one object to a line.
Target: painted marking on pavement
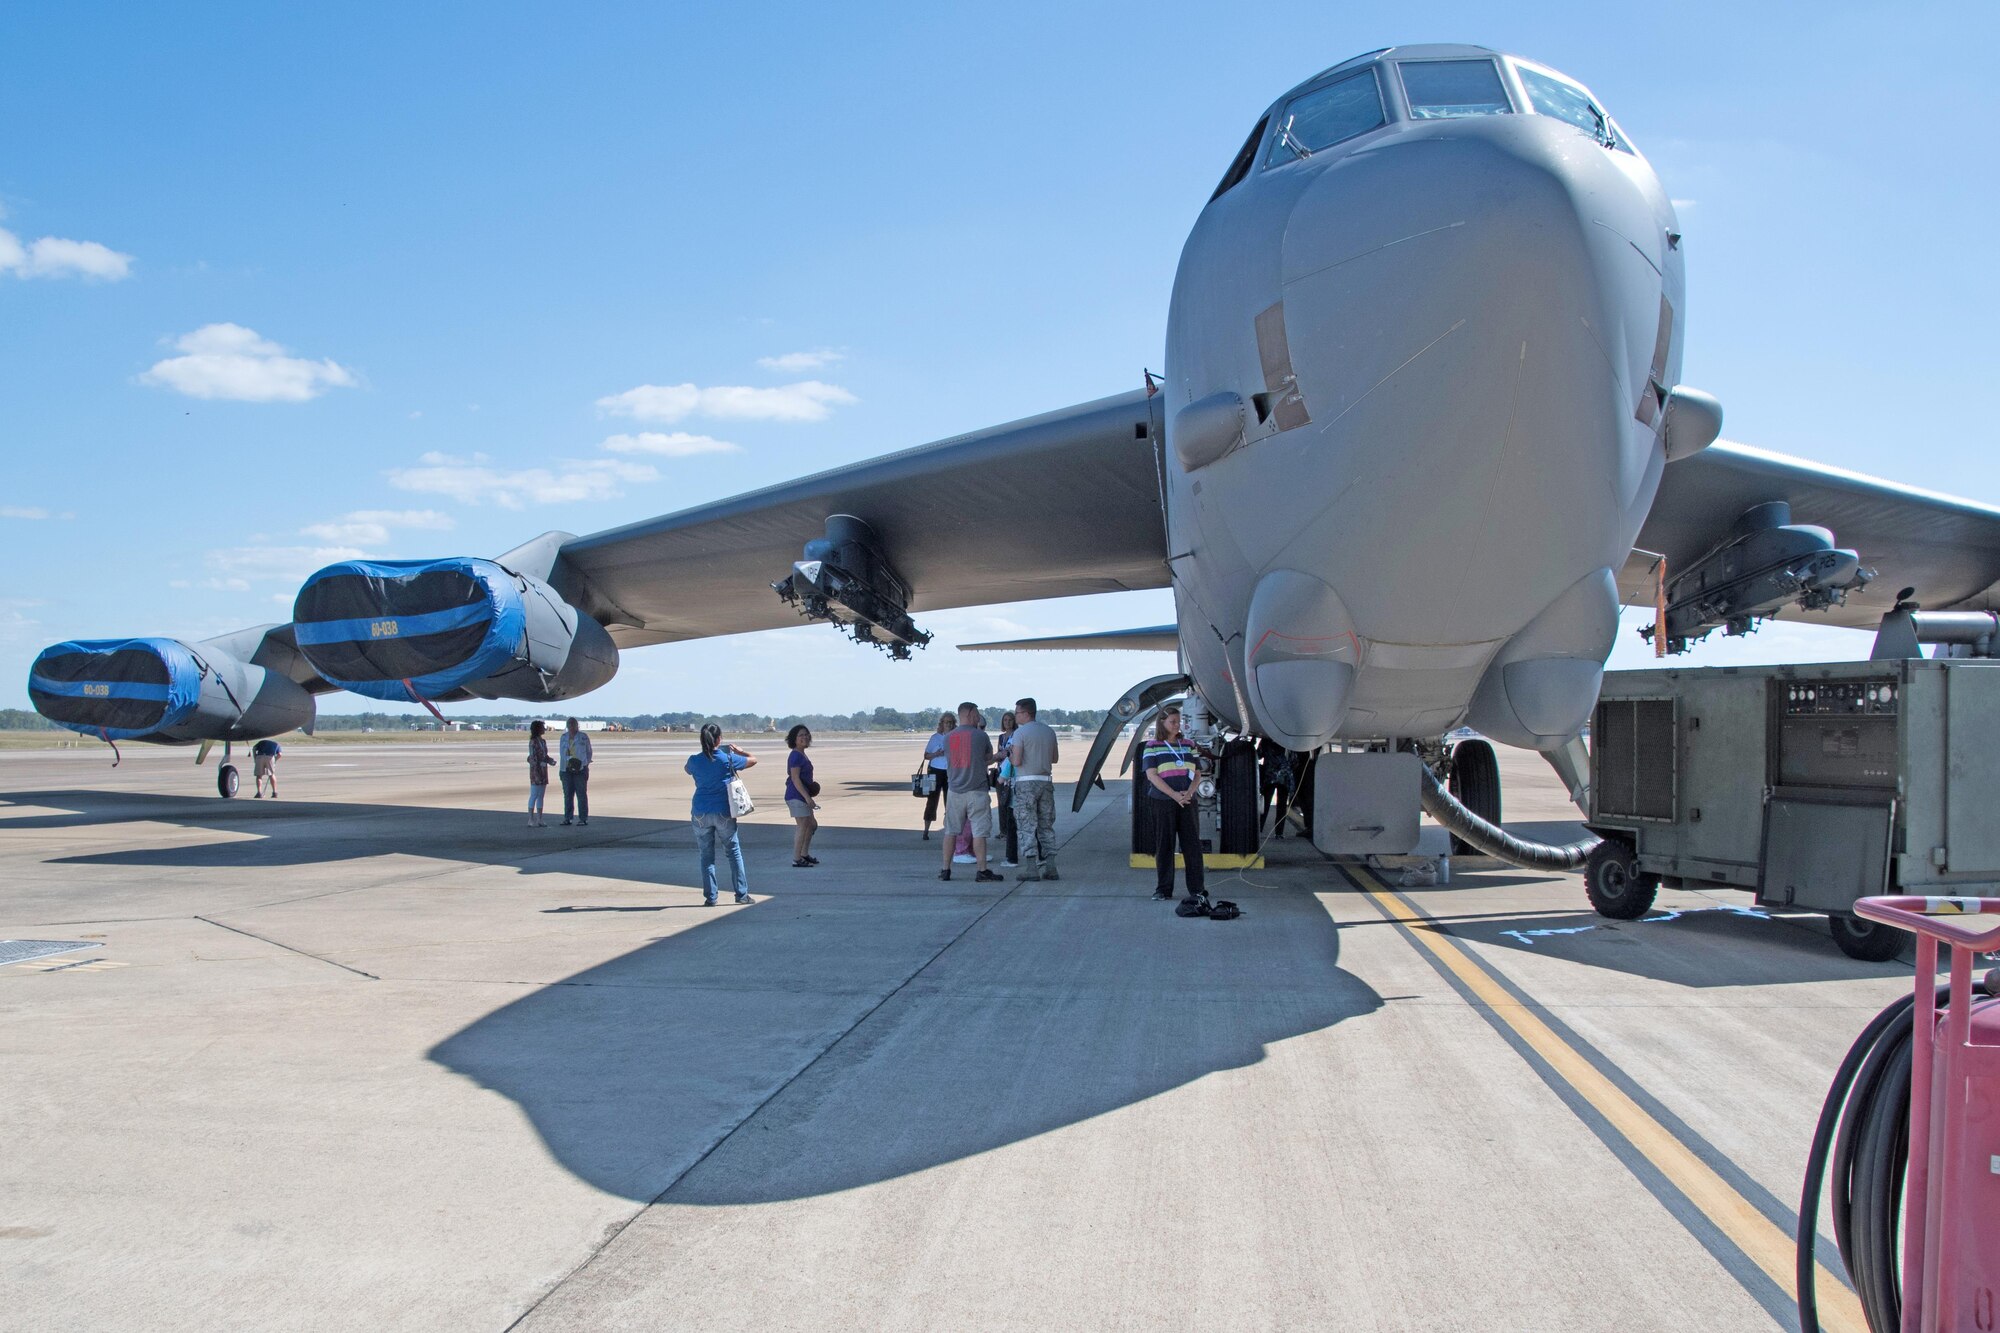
[
  {"x": 60, "y": 965},
  {"x": 1738, "y": 1221},
  {"x": 1528, "y": 937}
]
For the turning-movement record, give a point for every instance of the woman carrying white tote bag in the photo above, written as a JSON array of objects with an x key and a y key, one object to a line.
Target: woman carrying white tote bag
[
  {"x": 719, "y": 801},
  {"x": 740, "y": 803}
]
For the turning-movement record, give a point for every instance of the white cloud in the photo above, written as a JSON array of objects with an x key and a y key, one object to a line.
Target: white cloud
[
  {"x": 794, "y": 362},
  {"x": 236, "y": 566},
  {"x": 677, "y": 444},
  {"x": 226, "y": 585},
  {"x": 475, "y": 480},
  {"x": 54, "y": 257},
  {"x": 23, "y": 511},
  {"x": 371, "y": 527},
  {"x": 807, "y": 400},
  {"x": 231, "y": 362},
  {"x": 1683, "y": 205}
]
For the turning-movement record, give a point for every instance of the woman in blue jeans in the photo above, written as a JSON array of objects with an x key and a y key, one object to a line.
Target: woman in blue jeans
[{"x": 713, "y": 823}]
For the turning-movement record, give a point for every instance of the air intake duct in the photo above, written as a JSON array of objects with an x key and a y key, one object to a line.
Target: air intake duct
[
  {"x": 163, "y": 690},
  {"x": 427, "y": 629},
  {"x": 117, "y": 689}
]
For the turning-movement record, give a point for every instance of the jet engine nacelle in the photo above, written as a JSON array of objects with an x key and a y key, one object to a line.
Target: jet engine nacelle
[
  {"x": 164, "y": 691},
  {"x": 1766, "y": 563},
  {"x": 437, "y": 629}
]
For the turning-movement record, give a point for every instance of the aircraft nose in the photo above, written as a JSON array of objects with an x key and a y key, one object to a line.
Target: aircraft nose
[{"x": 1470, "y": 330}]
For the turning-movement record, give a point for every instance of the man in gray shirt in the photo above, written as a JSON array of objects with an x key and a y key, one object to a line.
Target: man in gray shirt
[
  {"x": 968, "y": 754},
  {"x": 1034, "y": 755}
]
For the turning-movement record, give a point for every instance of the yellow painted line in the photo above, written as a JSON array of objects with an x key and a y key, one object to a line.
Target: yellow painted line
[
  {"x": 1749, "y": 1230},
  {"x": 1209, "y": 860}
]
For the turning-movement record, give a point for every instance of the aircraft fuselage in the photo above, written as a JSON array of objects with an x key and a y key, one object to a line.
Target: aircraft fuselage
[{"x": 1446, "y": 343}]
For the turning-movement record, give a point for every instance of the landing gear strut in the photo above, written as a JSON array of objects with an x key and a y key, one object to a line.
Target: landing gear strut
[{"x": 226, "y": 779}]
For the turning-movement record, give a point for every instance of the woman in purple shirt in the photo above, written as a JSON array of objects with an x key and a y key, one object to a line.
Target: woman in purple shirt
[{"x": 799, "y": 792}]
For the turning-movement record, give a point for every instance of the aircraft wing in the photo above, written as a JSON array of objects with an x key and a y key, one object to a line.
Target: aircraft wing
[
  {"x": 1147, "y": 638},
  {"x": 1080, "y": 489},
  {"x": 1946, "y": 548},
  {"x": 275, "y": 648}
]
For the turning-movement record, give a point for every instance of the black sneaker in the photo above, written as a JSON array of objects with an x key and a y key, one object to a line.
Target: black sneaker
[
  {"x": 987, "y": 877},
  {"x": 944, "y": 874},
  {"x": 1163, "y": 895},
  {"x": 812, "y": 860},
  {"x": 800, "y": 864}
]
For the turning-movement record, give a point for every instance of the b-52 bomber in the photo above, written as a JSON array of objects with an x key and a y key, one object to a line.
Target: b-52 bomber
[{"x": 1420, "y": 434}]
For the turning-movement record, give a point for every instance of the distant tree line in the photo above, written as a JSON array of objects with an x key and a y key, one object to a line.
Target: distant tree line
[{"x": 878, "y": 719}]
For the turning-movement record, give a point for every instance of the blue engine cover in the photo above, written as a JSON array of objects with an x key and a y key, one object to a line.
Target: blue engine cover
[
  {"x": 115, "y": 689},
  {"x": 394, "y": 629}
]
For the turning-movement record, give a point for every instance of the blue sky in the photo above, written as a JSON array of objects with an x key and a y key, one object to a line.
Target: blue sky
[{"x": 380, "y": 278}]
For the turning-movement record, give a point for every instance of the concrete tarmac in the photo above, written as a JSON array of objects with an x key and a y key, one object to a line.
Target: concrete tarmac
[{"x": 378, "y": 1055}]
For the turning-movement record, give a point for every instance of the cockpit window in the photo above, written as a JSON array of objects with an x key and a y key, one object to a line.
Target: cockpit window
[
  {"x": 1440, "y": 89},
  {"x": 1240, "y": 167},
  {"x": 1562, "y": 99},
  {"x": 1326, "y": 116}
]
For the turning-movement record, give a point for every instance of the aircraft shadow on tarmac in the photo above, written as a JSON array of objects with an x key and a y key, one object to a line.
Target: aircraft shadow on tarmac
[
  {"x": 1047, "y": 1013},
  {"x": 1050, "y": 1011}
]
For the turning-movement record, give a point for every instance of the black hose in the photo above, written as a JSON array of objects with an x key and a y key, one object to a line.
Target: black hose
[
  {"x": 1869, "y": 1103},
  {"x": 1490, "y": 838}
]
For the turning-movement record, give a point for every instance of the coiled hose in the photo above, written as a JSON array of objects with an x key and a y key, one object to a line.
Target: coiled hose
[
  {"x": 1870, "y": 1102},
  {"x": 1490, "y": 838}
]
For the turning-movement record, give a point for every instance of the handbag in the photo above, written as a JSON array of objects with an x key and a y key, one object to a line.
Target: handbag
[{"x": 740, "y": 803}]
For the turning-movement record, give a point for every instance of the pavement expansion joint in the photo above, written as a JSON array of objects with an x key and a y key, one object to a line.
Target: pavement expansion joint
[{"x": 280, "y": 944}]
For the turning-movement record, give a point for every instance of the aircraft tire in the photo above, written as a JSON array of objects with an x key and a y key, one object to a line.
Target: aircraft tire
[
  {"x": 227, "y": 780},
  {"x": 1236, "y": 797},
  {"x": 1615, "y": 885},
  {"x": 1475, "y": 781},
  {"x": 1147, "y": 816},
  {"x": 1866, "y": 941}
]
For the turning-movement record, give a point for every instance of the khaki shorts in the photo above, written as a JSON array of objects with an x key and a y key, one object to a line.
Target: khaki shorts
[
  {"x": 800, "y": 809},
  {"x": 266, "y": 766},
  {"x": 976, "y": 806}
]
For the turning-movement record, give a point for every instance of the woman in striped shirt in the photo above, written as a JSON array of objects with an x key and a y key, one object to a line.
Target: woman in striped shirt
[{"x": 1168, "y": 766}]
